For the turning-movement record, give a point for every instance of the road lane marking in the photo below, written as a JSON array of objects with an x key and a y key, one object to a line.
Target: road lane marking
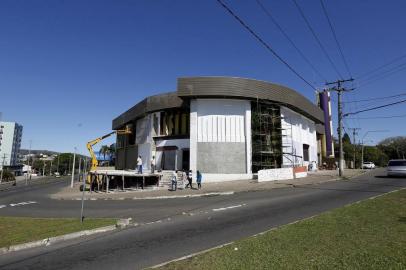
[
  {"x": 17, "y": 204},
  {"x": 228, "y": 207},
  {"x": 21, "y": 203}
]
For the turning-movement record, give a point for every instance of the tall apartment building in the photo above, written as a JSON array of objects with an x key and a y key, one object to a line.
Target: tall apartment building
[{"x": 10, "y": 143}]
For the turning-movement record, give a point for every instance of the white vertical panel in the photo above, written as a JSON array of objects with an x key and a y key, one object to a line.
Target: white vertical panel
[
  {"x": 248, "y": 138},
  {"x": 231, "y": 118},
  {"x": 199, "y": 121},
  {"x": 210, "y": 128},
  {"x": 223, "y": 128},
  {"x": 228, "y": 128},
  {"x": 193, "y": 135},
  {"x": 242, "y": 129},
  {"x": 204, "y": 130},
  {"x": 237, "y": 129},
  {"x": 215, "y": 117},
  {"x": 221, "y": 120}
]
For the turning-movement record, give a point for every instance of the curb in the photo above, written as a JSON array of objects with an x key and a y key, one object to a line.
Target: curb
[
  {"x": 209, "y": 194},
  {"x": 187, "y": 196},
  {"x": 121, "y": 224}
]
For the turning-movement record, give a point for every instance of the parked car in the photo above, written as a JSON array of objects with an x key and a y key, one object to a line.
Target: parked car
[
  {"x": 368, "y": 165},
  {"x": 396, "y": 167},
  {"x": 57, "y": 174}
]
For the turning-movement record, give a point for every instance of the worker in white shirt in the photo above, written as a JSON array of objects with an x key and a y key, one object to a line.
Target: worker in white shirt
[
  {"x": 139, "y": 164},
  {"x": 153, "y": 162},
  {"x": 174, "y": 180}
]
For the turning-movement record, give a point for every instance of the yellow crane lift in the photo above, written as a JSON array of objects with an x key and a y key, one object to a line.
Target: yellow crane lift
[{"x": 90, "y": 145}]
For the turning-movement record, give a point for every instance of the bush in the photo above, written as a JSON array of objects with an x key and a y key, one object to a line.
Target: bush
[{"x": 8, "y": 176}]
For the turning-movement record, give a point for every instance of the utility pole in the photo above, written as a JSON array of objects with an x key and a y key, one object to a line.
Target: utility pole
[
  {"x": 354, "y": 132},
  {"x": 57, "y": 168},
  {"x": 83, "y": 189},
  {"x": 80, "y": 161},
  {"x": 2, "y": 168},
  {"x": 29, "y": 153},
  {"x": 73, "y": 169},
  {"x": 50, "y": 169},
  {"x": 339, "y": 91}
]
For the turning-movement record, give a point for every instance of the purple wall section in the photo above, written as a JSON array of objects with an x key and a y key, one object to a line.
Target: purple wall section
[{"x": 324, "y": 101}]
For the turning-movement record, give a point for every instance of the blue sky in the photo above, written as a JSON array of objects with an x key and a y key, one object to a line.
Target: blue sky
[{"x": 67, "y": 68}]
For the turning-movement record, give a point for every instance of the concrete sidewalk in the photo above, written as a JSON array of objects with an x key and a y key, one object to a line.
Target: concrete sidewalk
[{"x": 209, "y": 189}]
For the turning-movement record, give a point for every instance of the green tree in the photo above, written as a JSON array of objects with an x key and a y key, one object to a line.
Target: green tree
[
  {"x": 346, "y": 139},
  {"x": 104, "y": 150},
  {"x": 394, "y": 147},
  {"x": 112, "y": 148},
  {"x": 375, "y": 155}
]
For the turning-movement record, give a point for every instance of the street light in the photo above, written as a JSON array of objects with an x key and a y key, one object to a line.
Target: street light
[
  {"x": 73, "y": 169},
  {"x": 362, "y": 143}
]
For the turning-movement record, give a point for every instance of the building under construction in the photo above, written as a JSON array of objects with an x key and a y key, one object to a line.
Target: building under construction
[{"x": 228, "y": 128}]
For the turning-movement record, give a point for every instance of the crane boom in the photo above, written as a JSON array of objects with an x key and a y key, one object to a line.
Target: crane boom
[{"x": 90, "y": 145}]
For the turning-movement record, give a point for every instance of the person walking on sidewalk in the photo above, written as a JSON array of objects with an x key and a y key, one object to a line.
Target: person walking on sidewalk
[
  {"x": 174, "y": 181},
  {"x": 189, "y": 179},
  {"x": 199, "y": 179},
  {"x": 153, "y": 162},
  {"x": 184, "y": 179},
  {"x": 139, "y": 164}
]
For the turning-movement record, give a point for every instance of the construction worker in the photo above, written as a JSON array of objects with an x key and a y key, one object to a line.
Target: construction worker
[
  {"x": 174, "y": 180},
  {"x": 153, "y": 162},
  {"x": 139, "y": 164}
]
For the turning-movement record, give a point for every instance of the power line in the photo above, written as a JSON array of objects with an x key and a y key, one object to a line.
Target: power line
[
  {"x": 316, "y": 37},
  {"x": 266, "y": 45},
  {"x": 268, "y": 13},
  {"x": 377, "y": 98},
  {"x": 371, "y": 77},
  {"x": 381, "y": 117},
  {"x": 335, "y": 37},
  {"x": 375, "y": 108},
  {"x": 381, "y": 66},
  {"x": 385, "y": 74}
]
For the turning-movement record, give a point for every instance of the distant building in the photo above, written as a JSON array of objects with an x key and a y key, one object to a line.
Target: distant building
[{"x": 10, "y": 143}]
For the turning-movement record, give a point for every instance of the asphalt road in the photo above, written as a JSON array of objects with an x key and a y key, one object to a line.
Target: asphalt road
[{"x": 173, "y": 228}]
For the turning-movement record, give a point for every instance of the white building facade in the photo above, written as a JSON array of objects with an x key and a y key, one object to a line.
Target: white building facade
[
  {"x": 227, "y": 128},
  {"x": 10, "y": 143}
]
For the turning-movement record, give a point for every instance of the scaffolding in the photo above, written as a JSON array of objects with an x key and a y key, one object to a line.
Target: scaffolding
[{"x": 271, "y": 139}]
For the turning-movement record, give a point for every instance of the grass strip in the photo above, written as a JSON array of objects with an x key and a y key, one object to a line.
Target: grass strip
[
  {"x": 18, "y": 230},
  {"x": 366, "y": 235}
]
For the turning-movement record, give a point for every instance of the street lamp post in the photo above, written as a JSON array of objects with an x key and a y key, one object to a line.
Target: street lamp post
[
  {"x": 362, "y": 143},
  {"x": 73, "y": 169}
]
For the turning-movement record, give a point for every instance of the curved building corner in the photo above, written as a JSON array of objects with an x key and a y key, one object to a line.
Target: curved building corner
[{"x": 227, "y": 128}]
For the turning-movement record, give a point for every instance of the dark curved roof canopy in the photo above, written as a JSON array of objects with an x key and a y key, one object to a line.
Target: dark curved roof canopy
[{"x": 222, "y": 87}]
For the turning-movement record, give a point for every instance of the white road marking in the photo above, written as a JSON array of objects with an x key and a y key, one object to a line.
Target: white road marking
[
  {"x": 226, "y": 208},
  {"x": 21, "y": 203}
]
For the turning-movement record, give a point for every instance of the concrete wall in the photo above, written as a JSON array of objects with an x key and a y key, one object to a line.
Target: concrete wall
[
  {"x": 219, "y": 144},
  {"x": 299, "y": 130},
  {"x": 144, "y": 141},
  {"x": 221, "y": 158},
  {"x": 131, "y": 157}
]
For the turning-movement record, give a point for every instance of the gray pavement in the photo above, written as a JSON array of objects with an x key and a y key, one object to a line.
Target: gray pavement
[
  {"x": 175, "y": 228},
  {"x": 68, "y": 193}
]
